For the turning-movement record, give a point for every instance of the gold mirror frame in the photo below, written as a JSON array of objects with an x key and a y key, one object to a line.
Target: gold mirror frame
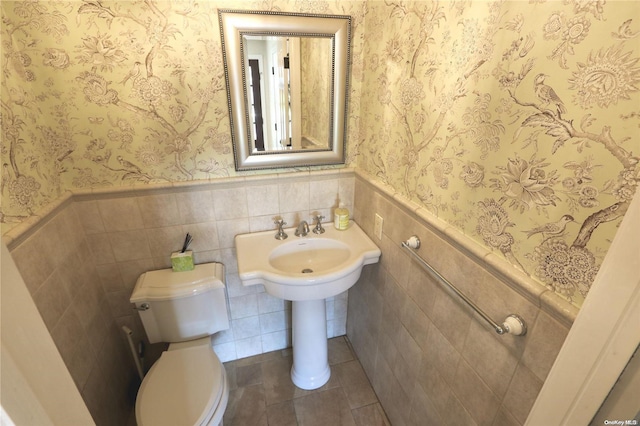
[{"x": 234, "y": 24}]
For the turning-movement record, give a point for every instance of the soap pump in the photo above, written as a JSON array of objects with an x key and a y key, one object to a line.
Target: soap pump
[{"x": 341, "y": 218}]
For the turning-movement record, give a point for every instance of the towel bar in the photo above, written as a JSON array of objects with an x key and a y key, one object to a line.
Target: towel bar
[{"x": 513, "y": 324}]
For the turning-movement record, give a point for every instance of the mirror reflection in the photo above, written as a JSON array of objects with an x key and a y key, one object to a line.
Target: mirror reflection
[
  {"x": 287, "y": 78},
  {"x": 288, "y": 87}
]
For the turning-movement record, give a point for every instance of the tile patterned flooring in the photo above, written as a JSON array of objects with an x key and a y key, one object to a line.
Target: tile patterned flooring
[{"x": 262, "y": 393}]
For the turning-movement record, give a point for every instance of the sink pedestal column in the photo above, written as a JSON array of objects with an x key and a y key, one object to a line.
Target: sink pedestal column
[{"x": 310, "y": 359}]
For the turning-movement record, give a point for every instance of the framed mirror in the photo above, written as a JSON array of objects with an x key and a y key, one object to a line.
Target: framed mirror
[{"x": 287, "y": 83}]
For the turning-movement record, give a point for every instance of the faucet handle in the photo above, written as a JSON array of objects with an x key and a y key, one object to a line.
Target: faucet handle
[
  {"x": 280, "y": 235},
  {"x": 318, "y": 229}
]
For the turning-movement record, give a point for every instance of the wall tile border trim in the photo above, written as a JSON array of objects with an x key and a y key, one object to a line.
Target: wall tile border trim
[
  {"x": 19, "y": 233},
  {"x": 518, "y": 280}
]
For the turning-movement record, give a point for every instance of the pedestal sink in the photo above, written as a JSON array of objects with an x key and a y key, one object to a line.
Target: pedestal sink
[{"x": 306, "y": 270}]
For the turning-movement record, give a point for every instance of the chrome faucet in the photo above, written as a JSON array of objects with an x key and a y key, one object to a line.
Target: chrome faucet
[
  {"x": 318, "y": 229},
  {"x": 281, "y": 235},
  {"x": 303, "y": 229}
]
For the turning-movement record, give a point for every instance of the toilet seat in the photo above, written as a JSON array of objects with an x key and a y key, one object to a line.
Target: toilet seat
[{"x": 186, "y": 387}]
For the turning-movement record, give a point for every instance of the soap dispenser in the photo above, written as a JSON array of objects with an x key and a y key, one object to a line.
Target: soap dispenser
[{"x": 341, "y": 218}]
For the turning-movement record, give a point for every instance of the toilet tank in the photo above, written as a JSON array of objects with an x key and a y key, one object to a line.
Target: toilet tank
[{"x": 180, "y": 306}]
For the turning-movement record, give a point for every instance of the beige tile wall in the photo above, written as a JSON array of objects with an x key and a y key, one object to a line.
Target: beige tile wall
[
  {"x": 59, "y": 269},
  {"x": 136, "y": 231},
  {"x": 81, "y": 258},
  {"x": 431, "y": 359}
]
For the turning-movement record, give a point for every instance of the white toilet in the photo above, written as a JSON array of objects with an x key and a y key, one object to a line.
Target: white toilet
[{"x": 188, "y": 385}]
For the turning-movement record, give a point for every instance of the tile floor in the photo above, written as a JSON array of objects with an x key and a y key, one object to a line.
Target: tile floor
[{"x": 262, "y": 393}]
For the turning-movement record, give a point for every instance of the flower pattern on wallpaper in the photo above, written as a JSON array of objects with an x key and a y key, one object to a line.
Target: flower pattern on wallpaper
[
  {"x": 112, "y": 93},
  {"x": 315, "y": 83},
  {"x": 517, "y": 122}
]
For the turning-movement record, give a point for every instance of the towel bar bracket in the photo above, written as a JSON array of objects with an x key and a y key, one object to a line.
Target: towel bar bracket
[{"x": 513, "y": 324}]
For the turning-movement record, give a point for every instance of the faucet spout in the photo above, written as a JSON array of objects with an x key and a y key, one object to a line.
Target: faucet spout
[{"x": 303, "y": 229}]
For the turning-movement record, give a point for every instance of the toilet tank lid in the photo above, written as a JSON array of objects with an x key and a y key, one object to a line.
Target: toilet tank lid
[{"x": 165, "y": 284}]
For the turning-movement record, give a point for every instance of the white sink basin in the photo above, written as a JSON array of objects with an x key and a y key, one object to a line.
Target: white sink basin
[
  {"x": 306, "y": 270},
  {"x": 306, "y": 256},
  {"x": 313, "y": 267}
]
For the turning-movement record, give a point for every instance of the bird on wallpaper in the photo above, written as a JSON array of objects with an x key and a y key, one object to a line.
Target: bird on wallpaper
[
  {"x": 546, "y": 94},
  {"x": 133, "y": 73},
  {"x": 128, "y": 165},
  {"x": 551, "y": 229}
]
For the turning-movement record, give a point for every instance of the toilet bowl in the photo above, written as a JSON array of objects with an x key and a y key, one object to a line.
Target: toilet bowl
[{"x": 188, "y": 385}]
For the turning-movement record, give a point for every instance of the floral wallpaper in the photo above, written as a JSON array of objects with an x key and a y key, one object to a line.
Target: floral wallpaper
[
  {"x": 518, "y": 122},
  {"x": 315, "y": 88},
  {"x": 112, "y": 93}
]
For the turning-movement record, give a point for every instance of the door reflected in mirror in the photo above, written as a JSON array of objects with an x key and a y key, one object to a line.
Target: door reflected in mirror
[
  {"x": 288, "y": 91},
  {"x": 287, "y": 81}
]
